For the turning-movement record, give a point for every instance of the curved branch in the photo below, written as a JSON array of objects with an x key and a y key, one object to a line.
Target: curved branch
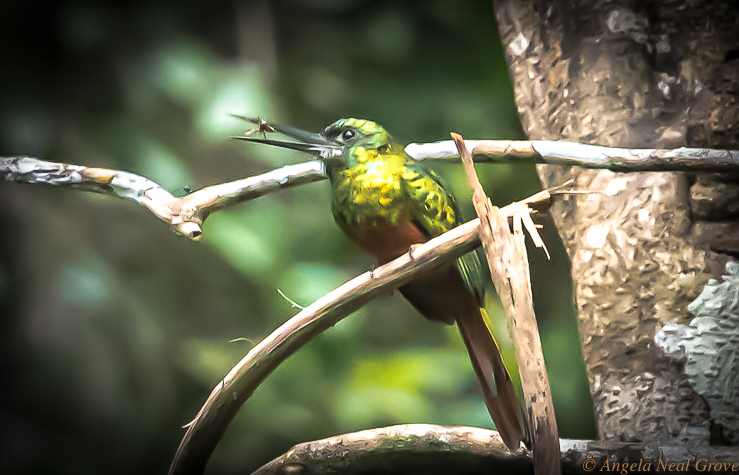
[
  {"x": 204, "y": 433},
  {"x": 211, "y": 422},
  {"x": 419, "y": 448},
  {"x": 186, "y": 214}
]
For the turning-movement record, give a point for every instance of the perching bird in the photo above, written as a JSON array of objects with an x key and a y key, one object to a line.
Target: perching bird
[{"x": 386, "y": 202}]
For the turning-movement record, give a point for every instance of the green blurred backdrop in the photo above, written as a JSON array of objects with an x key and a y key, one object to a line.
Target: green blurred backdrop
[{"x": 114, "y": 330}]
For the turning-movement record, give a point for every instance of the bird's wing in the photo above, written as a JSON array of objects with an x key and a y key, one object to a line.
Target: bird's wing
[{"x": 436, "y": 212}]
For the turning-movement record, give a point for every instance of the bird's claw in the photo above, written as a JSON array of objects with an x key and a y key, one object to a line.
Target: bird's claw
[{"x": 412, "y": 248}]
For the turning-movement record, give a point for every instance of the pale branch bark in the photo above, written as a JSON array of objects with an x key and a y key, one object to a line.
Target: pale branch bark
[
  {"x": 560, "y": 152},
  {"x": 419, "y": 448},
  {"x": 211, "y": 422},
  {"x": 509, "y": 268},
  {"x": 185, "y": 215}
]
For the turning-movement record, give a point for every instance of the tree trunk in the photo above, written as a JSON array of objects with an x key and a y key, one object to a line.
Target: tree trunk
[{"x": 642, "y": 75}]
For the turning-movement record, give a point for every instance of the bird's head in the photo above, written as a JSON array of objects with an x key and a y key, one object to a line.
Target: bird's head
[
  {"x": 336, "y": 145},
  {"x": 357, "y": 133}
]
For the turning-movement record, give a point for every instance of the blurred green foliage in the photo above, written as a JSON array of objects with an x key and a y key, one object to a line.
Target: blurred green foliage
[{"x": 115, "y": 330}]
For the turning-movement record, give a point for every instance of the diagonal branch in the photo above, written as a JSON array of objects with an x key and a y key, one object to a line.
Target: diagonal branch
[{"x": 204, "y": 433}]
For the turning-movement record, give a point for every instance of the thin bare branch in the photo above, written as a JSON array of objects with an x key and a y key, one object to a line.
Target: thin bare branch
[
  {"x": 220, "y": 196},
  {"x": 186, "y": 214},
  {"x": 424, "y": 448},
  {"x": 292, "y": 302},
  {"x": 232, "y": 392},
  {"x": 585, "y": 156}
]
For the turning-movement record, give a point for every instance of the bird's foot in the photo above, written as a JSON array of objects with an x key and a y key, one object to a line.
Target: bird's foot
[{"x": 412, "y": 248}]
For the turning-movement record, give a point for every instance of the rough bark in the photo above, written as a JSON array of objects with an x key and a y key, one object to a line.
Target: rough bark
[
  {"x": 423, "y": 448},
  {"x": 641, "y": 74}
]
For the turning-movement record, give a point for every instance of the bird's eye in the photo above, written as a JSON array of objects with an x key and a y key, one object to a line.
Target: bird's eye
[{"x": 348, "y": 134}]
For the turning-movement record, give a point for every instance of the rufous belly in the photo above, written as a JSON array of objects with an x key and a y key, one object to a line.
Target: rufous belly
[{"x": 380, "y": 239}]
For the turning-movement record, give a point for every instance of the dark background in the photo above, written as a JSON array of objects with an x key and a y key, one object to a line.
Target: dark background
[{"x": 114, "y": 330}]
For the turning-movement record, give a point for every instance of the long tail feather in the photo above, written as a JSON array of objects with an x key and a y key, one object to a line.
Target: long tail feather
[{"x": 497, "y": 388}]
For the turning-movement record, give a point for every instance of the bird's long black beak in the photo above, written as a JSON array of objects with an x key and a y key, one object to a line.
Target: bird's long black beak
[{"x": 314, "y": 144}]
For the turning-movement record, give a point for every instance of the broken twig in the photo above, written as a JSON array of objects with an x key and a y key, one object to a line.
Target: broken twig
[{"x": 509, "y": 268}]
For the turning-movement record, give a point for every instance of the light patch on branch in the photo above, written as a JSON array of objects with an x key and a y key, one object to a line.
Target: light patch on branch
[{"x": 709, "y": 346}]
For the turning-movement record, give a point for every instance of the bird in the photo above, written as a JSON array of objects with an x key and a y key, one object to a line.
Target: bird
[{"x": 386, "y": 203}]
